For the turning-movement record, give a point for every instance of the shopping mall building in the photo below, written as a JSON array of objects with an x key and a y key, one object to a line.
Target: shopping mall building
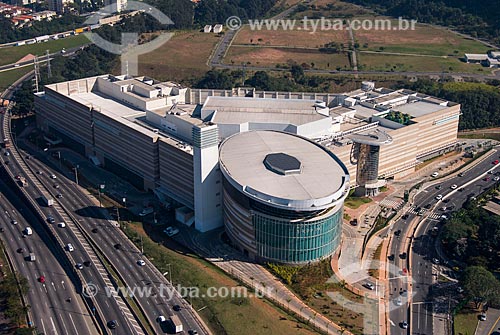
[{"x": 194, "y": 148}]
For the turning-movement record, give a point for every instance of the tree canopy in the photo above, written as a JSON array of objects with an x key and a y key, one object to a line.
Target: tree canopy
[{"x": 481, "y": 286}]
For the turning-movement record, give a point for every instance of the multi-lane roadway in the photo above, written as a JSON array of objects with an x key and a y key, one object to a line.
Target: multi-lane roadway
[
  {"x": 159, "y": 298},
  {"x": 55, "y": 306},
  {"x": 423, "y": 263}
]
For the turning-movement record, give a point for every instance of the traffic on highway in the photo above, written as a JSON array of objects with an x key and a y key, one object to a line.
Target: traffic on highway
[{"x": 414, "y": 248}]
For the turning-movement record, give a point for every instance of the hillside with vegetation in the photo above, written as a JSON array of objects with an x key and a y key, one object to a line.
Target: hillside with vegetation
[
  {"x": 480, "y": 102},
  {"x": 477, "y": 18}
]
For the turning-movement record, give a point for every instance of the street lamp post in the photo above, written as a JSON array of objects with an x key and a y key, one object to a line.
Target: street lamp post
[
  {"x": 169, "y": 272},
  {"x": 76, "y": 173},
  {"x": 101, "y": 187}
]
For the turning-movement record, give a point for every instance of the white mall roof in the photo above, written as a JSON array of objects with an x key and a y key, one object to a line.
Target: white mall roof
[{"x": 322, "y": 180}]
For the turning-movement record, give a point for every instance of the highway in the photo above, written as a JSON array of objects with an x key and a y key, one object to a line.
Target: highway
[
  {"x": 425, "y": 264},
  {"x": 51, "y": 311},
  {"x": 124, "y": 261},
  {"x": 104, "y": 308},
  {"x": 111, "y": 308},
  {"x": 159, "y": 298}
]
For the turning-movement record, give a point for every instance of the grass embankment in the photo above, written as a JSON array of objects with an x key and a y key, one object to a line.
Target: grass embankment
[
  {"x": 355, "y": 202},
  {"x": 12, "y": 284},
  {"x": 481, "y": 135},
  {"x": 465, "y": 322},
  {"x": 374, "y": 268},
  {"x": 7, "y": 78},
  {"x": 13, "y": 54},
  {"x": 312, "y": 283}
]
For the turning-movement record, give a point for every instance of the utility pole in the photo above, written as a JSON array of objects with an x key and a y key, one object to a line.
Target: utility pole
[
  {"x": 49, "y": 70},
  {"x": 118, "y": 214}
]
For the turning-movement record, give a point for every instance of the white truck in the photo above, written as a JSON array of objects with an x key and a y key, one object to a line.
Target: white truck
[
  {"x": 176, "y": 324},
  {"x": 48, "y": 201},
  {"x": 43, "y": 38},
  {"x": 23, "y": 182}
]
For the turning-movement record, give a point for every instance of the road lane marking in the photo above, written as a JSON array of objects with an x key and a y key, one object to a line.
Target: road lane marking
[
  {"x": 43, "y": 326},
  {"x": 73, "y": 322},
  {"x": 64, "y": 325},
  {"x": 53, "y": 326}
]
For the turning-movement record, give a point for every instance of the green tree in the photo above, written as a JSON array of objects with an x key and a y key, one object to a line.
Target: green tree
[{"x": 481, "y": 285}]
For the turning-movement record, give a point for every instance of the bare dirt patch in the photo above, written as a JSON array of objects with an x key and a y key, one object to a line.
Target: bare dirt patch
[
  {"x": 270, "y": 57},
  {"x": 290, "y": 38},
  {"x": 181, "y": 58}
]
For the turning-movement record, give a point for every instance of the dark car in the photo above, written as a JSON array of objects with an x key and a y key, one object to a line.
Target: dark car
[
  {"x": 176, "y": 308},
  {"x": 428, "y": 206},
  {"x": 397, "y": 232},
  {"x": 404, "y": 217},
  {"x": 403, "y": 255},
  {"x": 95, "y": 230},
  {"x": 112, "y": 324},
  {"x": 390, "y": 257},
  {"x": 118, "y": 246}
]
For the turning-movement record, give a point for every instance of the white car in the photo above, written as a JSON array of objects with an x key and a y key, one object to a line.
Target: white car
[
  {"x": 69, "y": 247},
  {"x": 399, "y": 301},
  {"x": 435, "y": 174},
  {"x": 140, "y": 262},
  {"x": 161, "y": 319},
  {"x": 171, "y": 231},
  {"x": 482, "y": 317},
  {"x": 453, "y": 186},
  {"x": 497, "y": 178},
  {"x": 439, "y": 197},
  {"x": 404, "y": 325},
  {"x": 53, "y": 176},
  {"x": 61, "y": 225}
]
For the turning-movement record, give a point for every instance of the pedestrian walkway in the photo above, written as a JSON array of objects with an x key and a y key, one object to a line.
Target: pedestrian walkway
[
  {"x": 395, "y": 204},
  {"x": 422, "y": 211}
]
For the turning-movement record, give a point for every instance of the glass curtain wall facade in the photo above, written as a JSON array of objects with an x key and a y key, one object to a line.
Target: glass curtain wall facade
[
  {"x": 287, "y": 241},
  {"x": 267, "y": 233}
]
